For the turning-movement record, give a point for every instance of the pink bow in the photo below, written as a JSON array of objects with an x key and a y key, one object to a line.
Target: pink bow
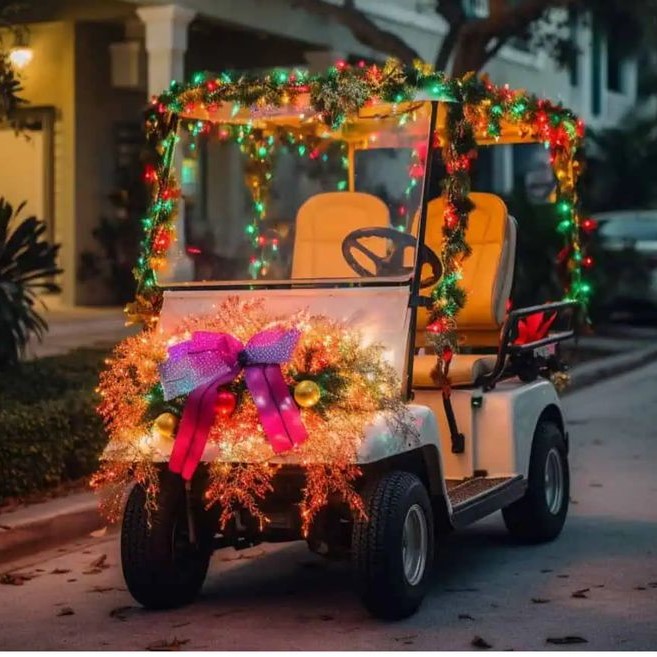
[{"x": 199, "y": 366}]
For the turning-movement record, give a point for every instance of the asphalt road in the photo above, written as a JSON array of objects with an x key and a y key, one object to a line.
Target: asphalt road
[{"x": 512, "y": 597}]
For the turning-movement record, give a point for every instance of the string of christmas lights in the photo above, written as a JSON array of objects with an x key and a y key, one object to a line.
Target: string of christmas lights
[{"x": 479, "y": 112}]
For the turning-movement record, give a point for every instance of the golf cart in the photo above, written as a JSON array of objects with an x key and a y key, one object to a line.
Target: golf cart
[{"x": 328, "y": 353}]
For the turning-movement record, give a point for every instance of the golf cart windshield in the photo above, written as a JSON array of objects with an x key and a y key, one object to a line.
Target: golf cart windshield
[{"x": 283, "y": 197}]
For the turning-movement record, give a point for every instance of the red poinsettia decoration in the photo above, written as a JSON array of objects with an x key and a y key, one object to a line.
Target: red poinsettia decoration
[{"x": 534, "y": 327}]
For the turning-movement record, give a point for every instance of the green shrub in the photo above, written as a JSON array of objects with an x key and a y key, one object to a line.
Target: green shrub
[{"x": 50, "y": 432}]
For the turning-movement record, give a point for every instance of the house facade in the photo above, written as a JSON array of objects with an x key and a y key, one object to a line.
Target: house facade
[{"x": 95, "y": 63}]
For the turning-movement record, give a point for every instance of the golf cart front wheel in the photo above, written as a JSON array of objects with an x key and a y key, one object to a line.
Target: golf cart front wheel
[
  {"x": 162, "y": 568},
  {"x": 539, "y": 516},
  {"x": 392, "y": 549}
]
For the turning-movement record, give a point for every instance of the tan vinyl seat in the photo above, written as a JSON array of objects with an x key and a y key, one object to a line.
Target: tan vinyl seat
[
  {"x": 464, "y": 370},
  {"x": 487, "y": 279},
  {"x": 323, "y": 222}
]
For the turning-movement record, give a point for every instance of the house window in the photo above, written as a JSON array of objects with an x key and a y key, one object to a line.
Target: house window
[
  {"x": 596, "y": 65},
  {"x": 476, "y": 8},
  {"x": 615, "y": 61}
]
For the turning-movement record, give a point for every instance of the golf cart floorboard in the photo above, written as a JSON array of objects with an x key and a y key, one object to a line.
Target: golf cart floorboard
[{"x": 475, "y": 498}]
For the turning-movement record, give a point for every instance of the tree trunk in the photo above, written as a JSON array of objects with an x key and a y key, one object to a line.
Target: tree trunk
[{"x": 469, "y": 52}]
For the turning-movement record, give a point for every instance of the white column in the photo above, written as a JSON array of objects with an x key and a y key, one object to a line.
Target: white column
[
  {"x": 503, "y": 169},
  {"x": 166, "y": 44}
]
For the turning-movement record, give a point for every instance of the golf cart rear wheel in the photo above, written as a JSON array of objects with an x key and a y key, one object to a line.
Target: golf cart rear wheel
[
  {"x": 392, "y": 550},
  {"x": 540, "y": 515},
  {"x": 161, "y": 567}
]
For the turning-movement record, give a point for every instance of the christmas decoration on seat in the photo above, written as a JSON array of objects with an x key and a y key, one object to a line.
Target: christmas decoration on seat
[{"x": 534, "y": 327}]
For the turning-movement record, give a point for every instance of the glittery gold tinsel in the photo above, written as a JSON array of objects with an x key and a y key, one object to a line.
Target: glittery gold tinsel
[{"x": 356, "y": 384}]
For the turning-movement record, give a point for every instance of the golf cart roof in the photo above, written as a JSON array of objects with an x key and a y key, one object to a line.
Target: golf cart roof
[{"x": 345, "y": 102}]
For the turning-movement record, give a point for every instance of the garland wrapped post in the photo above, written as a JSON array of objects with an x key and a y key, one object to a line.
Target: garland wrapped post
[
  {"x": 448, "y": 295},
  {"x": 157, "y": 387}
]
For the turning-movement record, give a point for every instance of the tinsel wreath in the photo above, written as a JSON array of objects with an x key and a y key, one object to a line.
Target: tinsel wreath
[{"x": 352, "y": 383}]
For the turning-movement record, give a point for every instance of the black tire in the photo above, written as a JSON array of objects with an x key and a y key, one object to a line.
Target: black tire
[
  {"x": 532, "y": 518},
  {"x": 377, "y": 550},
  {"x": 161, "y": 568}
]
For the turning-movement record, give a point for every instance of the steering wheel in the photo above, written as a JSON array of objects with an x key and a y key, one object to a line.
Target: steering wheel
[{"x": 393, "y": 263}]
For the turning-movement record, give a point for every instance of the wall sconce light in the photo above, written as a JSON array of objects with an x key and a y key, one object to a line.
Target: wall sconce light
[{"x": 21, "y": 54}]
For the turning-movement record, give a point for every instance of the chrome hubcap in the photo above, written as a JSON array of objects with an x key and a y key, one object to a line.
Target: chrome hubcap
[
  {"x": 554, "y": 481},
  {"x": 415, "y": 541}
]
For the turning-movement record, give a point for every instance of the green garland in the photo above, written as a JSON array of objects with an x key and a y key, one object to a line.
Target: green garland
[{"x": 479, "y": 111}]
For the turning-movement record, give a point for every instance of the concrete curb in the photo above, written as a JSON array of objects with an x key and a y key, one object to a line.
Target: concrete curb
[
  {"x": 52, "y": 523},
  {"x": 604, "y": 368},
  {"x": 48, "y": 524}
]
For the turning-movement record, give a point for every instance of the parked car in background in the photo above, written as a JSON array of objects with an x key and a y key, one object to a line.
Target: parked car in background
[{"x": 630, "y": 236}]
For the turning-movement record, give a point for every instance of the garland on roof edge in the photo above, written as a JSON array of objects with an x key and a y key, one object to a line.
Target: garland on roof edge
[{"x": 478, "y": 113}]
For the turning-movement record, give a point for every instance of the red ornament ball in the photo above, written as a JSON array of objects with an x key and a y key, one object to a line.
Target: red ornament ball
[{"x": 225, "y": 403}]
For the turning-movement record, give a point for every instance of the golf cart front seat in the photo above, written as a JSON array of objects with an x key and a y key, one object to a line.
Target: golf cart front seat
[
  {"x": 487, "y": 279},
  {"x": 323, "y": 222}
]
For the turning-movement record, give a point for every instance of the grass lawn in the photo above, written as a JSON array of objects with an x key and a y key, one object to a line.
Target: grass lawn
[{"x": 50, "y": 433}]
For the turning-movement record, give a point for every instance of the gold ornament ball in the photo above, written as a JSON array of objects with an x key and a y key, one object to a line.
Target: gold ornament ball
[
  {"x": 307, "y": 393},
  {"x": 166, "y": 424}
]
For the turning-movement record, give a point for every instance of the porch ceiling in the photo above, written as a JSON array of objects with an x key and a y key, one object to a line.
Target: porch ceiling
[{"x": 275, "y": 17}]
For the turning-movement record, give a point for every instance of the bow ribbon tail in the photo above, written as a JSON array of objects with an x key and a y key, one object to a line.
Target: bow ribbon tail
[
  {"x": 195, "y": 424},
  {"x": 279, "y": 415}
]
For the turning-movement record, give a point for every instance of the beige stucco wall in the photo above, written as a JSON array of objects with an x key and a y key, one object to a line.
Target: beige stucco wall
[{"x": 48, "y": 80}]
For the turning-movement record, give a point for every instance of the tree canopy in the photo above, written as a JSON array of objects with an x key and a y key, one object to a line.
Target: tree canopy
[{"x": 470, "y": 42}]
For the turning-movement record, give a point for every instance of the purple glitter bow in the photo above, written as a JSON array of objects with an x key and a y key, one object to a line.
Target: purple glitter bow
[{"x": 199, "y": 366}]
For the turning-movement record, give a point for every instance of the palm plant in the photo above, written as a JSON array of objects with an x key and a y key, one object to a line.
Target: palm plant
[{"x": 27, "y": 265}]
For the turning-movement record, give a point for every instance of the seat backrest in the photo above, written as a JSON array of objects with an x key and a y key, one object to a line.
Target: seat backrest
[
  {"x": 488, "y": 272},
  {"x": 323, "y": 222}
]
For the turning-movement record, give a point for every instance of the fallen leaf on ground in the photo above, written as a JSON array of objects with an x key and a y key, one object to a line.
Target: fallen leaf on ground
[
  {"x": 174, "y": 644},
  {"x": 540, "y": 601},
  {"x": 465, "y": 617},
  {"x": 478, "y": 642},
  {"x": 581, "y": 593},
  {"x": 122, "y": 613},
  {"x": 60, "y": 571},
  {"x": 221, "y": 614},
  {"x": 15, "y": 579},
  {"x": 99, "y": 533},
  {"x": 97, "y": 565},
  {"x": 65, "y": 611},
  {"x": 405, "y": 639},
  {"x": 72, "y": 580},
  {"x": 565, "y": 640}
]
